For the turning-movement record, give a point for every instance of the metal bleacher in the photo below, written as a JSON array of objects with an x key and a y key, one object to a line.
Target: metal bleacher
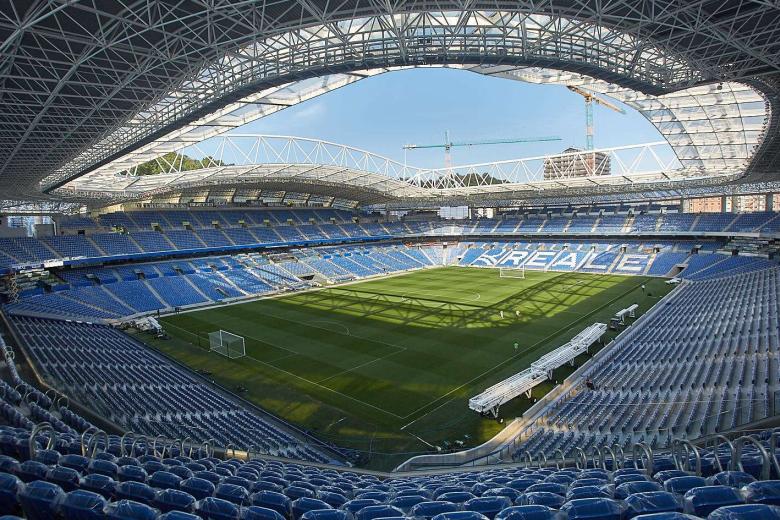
[{"x": 541, "y": 370}]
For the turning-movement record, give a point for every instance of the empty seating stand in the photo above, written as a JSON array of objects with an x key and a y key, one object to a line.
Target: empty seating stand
[
  {"x": 704, "y": 362},
  {"x": 145, "y": 393},
  {"x": 192, "y": 484}
]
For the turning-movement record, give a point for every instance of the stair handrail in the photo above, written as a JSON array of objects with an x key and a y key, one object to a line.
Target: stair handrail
[
  {"x": 160, "y": 454},
  {"x": 603, "y": 457},
  {"x": 648, "y": 452},
  {"x": 129, "y": 433},
  {"x": 542, "y": 458},
  {"x": 618, "y": 450},
  {"x": 89, "y": 431},
  {"x": 188, "y": 442},
  {"x": 678, "y": 445},
  {"x": 717, "y": 441},
  {"x": 137, "y": 442},
  {"x": 37, "y": 430},
  {"x": 765, "y": 464},
  {"x": 580, "y": 458},
  {"x": 94, "y": 444},
  {"x": 562, "y": 458}
]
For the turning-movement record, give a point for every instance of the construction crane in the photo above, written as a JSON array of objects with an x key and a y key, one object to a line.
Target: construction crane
[
  {"x": 448, "y": 145},
  {"x": 590, "y": 97}
]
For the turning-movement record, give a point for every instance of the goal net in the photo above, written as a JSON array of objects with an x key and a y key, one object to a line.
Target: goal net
[
  {"x": 511, "y": 272},
  {"x": 228, "y": 344}
]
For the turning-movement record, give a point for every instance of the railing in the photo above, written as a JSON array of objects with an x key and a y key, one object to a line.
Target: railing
[{"x": 684, "y": 454}]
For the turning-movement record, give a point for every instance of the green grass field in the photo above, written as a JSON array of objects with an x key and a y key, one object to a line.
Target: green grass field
[{"x": 387, "y": 366}]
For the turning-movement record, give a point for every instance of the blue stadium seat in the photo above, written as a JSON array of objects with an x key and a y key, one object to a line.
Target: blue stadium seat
[
  {"x": 663, "y": 476},
  {"x": 764, "y": 492},
  {"x": 47, "y": 457},
  {"x": 378, "y": 511},
  {"x": 135, "y": 491},
  {"x": 324, "y": 514},
  {"x": 603, "y": 491},
  {"x": 356, "y": 504},
  {"x": 212, "y": 508},
  {"x": 681, "y": 485},
  {"x": 735, "y": 479},
  {"x": 488, "y": 506},
  {"x": 264, "y": 485},
  {"x": 260, "y": 513},
  {"x": 83, "y": 505},
  {"x": 541, "y": 498},
  {"x": 593, "y": 508},
  {"x": 40, "y": 500},
  {"x": 68, "y": 479},
  {"x": 304, "y": 504},
  {"x": 702, "y": 501},
  {"x": 130, "y": 510},
  {"x": 652, "y": 502},
  {"x": 31, "y": 470},
  {"x": 178, "y": 515},
  {"x": 549, "y": 487},
  {"x": 77, "y": 462},
  {"x": 274, "y": 501},
  {"x": 174, "y": 499},
  {"x": 667, "y": 516},
  {"x": 590, "y": 481},
  {"x": 746, "y": 512},
  {"x": 460, "y": 515},
  {"x": 529, "y": 513},
  {"x": 405, "y": 503},
  {"x": 103, "y": 467},
  {"x": 10, "y": 485},
  {"x": 629, "y": 488},
  {"x": 427, "y": 510},
  {"x": 208, "y": 475},
  {"x": 507, "y": 492},
  {"x": 626, "y": 478},
  {"x": 457, "y": 497},
  {"x": 131, "y": 472},
  {"x": 239, "y": 495}
]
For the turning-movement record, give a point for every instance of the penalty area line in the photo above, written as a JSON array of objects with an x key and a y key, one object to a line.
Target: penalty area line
[
  {"x": 347, "y": 371},
  {"x": 323, "y": 387}
]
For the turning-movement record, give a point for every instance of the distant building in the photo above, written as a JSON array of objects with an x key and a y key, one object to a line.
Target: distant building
[
  {"x": 749, "y": 203},
  {"x": 574, "y": 162},
  {"x": 704, "y": 205}
]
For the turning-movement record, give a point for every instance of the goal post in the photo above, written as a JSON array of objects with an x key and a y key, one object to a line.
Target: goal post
[
  {"x": 227, "y": 344},
  {"x": 511, "y": 272}
]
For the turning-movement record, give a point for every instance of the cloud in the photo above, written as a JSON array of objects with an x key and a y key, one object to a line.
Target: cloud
[{"x": 309, "y": 112}]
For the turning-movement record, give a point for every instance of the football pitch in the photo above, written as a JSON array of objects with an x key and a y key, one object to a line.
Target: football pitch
[{"x": 387, "y": 366}]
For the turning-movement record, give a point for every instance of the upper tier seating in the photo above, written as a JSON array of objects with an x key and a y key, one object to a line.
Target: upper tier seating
[{"x": 210, "y": 229}]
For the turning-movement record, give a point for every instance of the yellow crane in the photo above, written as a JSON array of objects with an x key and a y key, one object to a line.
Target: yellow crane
[{"x": 590, "y": 97}]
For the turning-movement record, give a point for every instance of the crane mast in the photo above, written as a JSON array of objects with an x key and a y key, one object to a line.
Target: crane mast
[{"x": 590, "y": 97}]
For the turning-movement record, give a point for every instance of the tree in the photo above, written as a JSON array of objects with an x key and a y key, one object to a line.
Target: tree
[{"x": 184, "y": 162}]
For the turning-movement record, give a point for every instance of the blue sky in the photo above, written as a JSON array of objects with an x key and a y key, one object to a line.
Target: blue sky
[{"x": 382, "y": 113}]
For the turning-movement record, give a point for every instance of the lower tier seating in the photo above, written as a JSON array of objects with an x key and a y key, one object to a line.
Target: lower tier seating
[
  {"x": 706, "y": 361},
  {"x": 131, "y": 386},
  {"x": 171, "y": 483}
]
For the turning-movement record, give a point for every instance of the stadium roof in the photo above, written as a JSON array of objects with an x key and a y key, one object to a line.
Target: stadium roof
[
  {"x": 86, "y": 82},
  {"x": 312, "y": 166}
]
